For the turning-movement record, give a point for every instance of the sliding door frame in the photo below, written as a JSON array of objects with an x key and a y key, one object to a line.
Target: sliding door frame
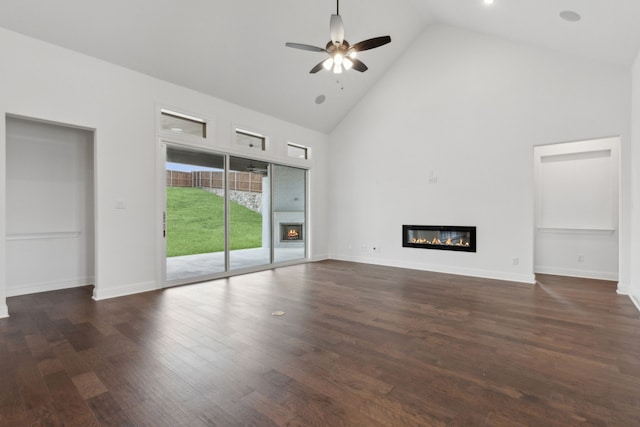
[{"x": 161, "y": 246}]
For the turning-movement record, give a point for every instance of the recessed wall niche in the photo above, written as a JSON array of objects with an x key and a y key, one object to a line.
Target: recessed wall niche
[{"x": 576, "y": 186}]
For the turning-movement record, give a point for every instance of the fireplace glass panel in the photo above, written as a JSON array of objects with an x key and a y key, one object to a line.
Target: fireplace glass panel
[{"x": 454, "y": 238}]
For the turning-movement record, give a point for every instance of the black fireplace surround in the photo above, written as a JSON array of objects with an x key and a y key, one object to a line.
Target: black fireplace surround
[{"x": 442, "y": 237}]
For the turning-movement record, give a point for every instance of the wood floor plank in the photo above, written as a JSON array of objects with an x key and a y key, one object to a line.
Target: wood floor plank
[
  {"x": 89, "y": 385},
  {"x": 12, "y": 412},
  {"x": 45, "y": 415},
  {"x": 33, "y": 389},
  {"x": 108, "y": 412},
  {"x": 71, "y": 408},
  {"x": 277, "y": 414},
  {"x": 210, "y": 413},
  {"x": 359, "y": 345}
]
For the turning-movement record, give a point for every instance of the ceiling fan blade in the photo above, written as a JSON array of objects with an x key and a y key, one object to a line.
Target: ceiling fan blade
[
  {"x": 337, "y": 29},
  {"x": 358, "y": 65},
  {"x": 371, "y": 43},
  {"x": 304, "y": 47},
  {"x": 317, "y": 67}
]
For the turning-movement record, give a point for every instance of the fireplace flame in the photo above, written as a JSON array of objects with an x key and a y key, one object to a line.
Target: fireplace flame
[
  {"x": 292, "y": 234},
  {"x": 436, "y": 241}
]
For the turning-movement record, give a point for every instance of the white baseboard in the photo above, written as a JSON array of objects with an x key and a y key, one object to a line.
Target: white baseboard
[
  {"x": 600, "y": 275},
  {"x": 623, "y": 289},
  {"x": 102, "y": 292},
  {"x": 34, "y": 288},
  {"x": 4, "y": 311},
  {"x": 485, "y": 274}
]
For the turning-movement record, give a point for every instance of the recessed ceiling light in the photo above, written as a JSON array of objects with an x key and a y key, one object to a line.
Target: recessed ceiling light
[
  {"x": 320, "y": 99},
  {"x": 488, "y": 1},
  {"x": 570, "y": 16}
]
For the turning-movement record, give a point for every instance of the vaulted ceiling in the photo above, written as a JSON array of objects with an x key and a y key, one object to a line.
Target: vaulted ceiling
[{"x": 235, "y": 49}]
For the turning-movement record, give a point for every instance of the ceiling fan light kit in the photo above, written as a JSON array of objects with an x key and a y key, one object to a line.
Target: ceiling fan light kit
[{"x": 342, "y": 55}]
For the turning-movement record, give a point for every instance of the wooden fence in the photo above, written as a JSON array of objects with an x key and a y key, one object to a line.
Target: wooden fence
[{"x": 238, "y": 181}]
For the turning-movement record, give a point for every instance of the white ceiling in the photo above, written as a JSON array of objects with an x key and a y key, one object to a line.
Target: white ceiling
[{"x": 234, "y": 49}]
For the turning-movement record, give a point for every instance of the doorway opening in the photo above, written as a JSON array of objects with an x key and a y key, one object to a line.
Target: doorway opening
[
  {"x": 49, "y": 206},
  {"x": 577, "y": 208}
]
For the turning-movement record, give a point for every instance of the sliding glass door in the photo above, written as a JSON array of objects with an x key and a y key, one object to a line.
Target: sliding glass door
[
  {"x": 194, "y": 215},
  {"x": 289, "y": 213},
  {"x": 226, "y": 215},
  {"x": 249, "y": 219}
]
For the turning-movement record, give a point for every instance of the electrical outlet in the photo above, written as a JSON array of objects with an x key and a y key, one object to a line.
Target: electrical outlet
[
  {"x": 515, "y": 261},
  {"x": 580, "y": 258},
  {"x": 363, "y": 248}
]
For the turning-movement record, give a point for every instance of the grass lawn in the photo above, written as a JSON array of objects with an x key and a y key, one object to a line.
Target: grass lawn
[{"x": 195, "y": 223}]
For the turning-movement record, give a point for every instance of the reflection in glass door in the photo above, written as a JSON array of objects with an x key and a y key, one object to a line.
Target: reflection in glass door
[
  {"x": 195, "y": 214},
  {"x": 289, "y": 213},
  {"x": 249, "y": 219}
]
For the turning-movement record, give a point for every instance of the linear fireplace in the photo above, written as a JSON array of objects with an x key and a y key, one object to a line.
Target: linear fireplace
[{"x": 443, "y": 237}]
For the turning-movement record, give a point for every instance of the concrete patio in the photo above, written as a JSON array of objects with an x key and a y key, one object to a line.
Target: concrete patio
[{"x": 199, "y": 265}]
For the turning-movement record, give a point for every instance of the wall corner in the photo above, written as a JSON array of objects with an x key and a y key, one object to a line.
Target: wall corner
[
  {"x": 4, "y": 310},
  {"x": 623, "y": 289},
  {"x": 102, "y": 293},
  {"x": 636, "y": 301}
]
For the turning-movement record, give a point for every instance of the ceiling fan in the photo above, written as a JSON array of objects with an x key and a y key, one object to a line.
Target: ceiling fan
[
  {"x": 253, "y": 169},
  {"x": 342, "y": 55}
]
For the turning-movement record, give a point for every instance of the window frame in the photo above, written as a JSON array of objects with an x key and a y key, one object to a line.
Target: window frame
[
  {"x": 183, "y": 117},
  {"x": 264, "y": 140},
  {"x": 305, "y": 149}
]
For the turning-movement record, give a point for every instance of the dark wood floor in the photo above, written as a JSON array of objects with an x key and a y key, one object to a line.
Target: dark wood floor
[{"x": 360, "y": 345}]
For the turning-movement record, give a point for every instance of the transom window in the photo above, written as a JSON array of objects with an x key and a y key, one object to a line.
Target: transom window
[
  {"x": 297, "y": 151},
  {"x": 251, "y": 140},
  {"x": 183, "y": 123}
]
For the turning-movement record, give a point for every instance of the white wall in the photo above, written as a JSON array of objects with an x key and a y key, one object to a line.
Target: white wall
[
  {"x": 634, "y": 285},
  {"x": 447, "y": 137},
  {"x": 50, "y": 230},
  {"x": 46, "y": 82}
]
